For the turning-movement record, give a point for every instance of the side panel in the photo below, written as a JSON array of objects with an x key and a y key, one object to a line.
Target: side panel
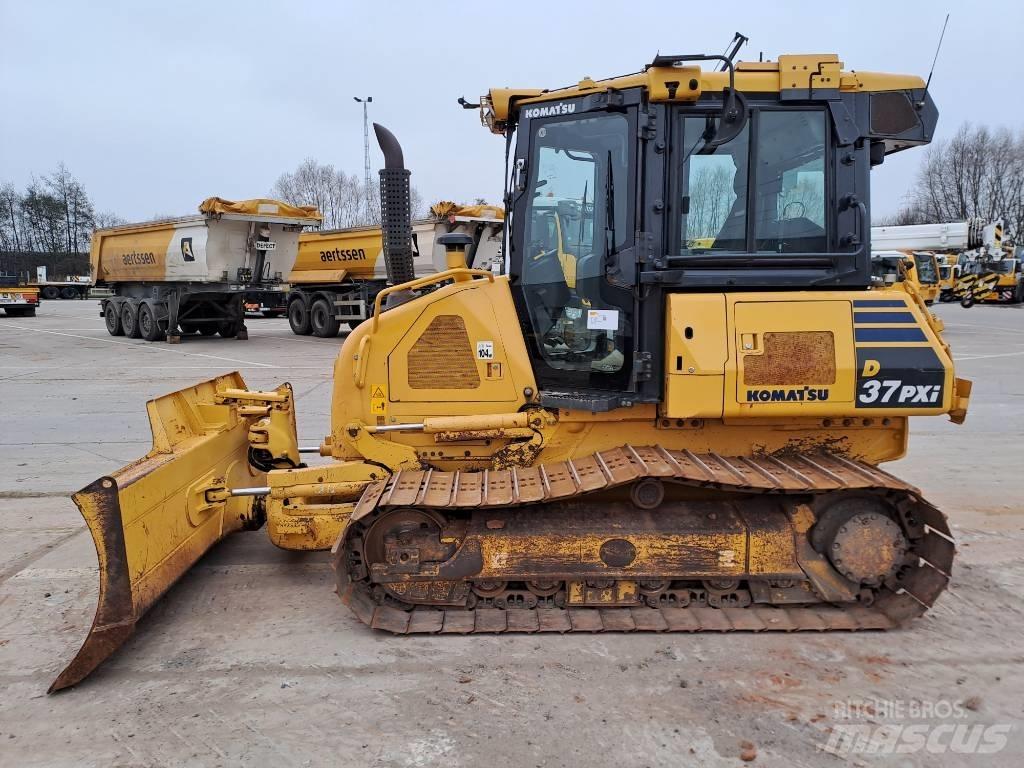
[
  {"x": 838, "y": 354},
  {"x": 368, "y": 365},
  {"x": 355, "y": 252},
  {"x": 133, "y": 256},
  {"x": 793, "y": 357},
  {"x": 696, "y": 353}
]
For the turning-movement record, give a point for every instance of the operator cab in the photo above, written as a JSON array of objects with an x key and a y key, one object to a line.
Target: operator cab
[{"x": 677, "y": 179}]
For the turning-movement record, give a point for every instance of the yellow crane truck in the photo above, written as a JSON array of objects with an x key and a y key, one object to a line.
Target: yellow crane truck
[
  {"x": 687, "y": 439},
  {"x": 338, "y": 273},
  {"x": 190, "y": 275}
]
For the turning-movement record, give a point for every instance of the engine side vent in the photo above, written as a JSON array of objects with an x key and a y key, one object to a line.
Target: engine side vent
[
  {"x": 793, "y": 358},
  {"x": 442, "y": 357}
]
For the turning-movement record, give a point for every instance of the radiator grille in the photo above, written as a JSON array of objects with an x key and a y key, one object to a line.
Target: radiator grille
[
  {"x": 802, "y": 357},
  {"x": 442, "y": 357}
]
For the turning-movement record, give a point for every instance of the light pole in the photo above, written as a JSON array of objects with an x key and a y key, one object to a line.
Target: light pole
[{"x": 366, "y": 155}]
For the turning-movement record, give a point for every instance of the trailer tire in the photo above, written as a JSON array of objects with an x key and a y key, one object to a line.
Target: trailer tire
[
  {"x": 229, "y": 329},
  {"x": 130, "y": 320},
  {"x": 112, "y": 319},
  {"x": 67, "y": 292},
  {"x": 298, "y": 317},
  {"x": 149, "y": 325},
  {"x": 50, "y": 292},
  {"x": 321, "y": 318}
]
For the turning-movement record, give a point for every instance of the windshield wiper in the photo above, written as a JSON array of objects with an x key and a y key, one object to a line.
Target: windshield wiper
[
  {"x": 583, "y": 213},
  {"x": 609, "y": 193}
]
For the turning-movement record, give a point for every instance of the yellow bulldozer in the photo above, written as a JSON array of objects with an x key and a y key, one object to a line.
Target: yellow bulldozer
[{"x": 684, "y": 436}]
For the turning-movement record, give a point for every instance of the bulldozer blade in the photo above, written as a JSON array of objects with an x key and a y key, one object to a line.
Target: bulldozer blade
[{"x": 153, "y": 519}]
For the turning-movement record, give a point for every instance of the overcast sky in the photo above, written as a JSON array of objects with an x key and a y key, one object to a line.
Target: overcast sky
[{"x": 155, "y": 106}]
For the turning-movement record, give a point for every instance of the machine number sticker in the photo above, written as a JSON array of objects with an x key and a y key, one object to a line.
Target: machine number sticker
[
  {"x": 602, "y": 319},
  {"x": 485, "y": 350},
  {"x": 895, "y": 391},
  {"x": 899, "y": 377},
  {"x": 378, "y": 400},
  {"x": 573, "y": 313}
]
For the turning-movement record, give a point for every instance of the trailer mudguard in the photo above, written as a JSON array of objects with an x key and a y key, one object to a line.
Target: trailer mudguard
[{"x": 153, "y": 519}]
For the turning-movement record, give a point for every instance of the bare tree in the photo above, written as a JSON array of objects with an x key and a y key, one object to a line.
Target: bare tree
[
  {"x": 339, "y": 196},
  {"x": 10, "y": 202},
  {"x": 979, "y": 172},
  {"x": 106, "y": 219},
  {"x": 53, "y": 215}
]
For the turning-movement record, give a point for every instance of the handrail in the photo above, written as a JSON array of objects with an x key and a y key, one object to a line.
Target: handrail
[{"x": 419, "y": 282}]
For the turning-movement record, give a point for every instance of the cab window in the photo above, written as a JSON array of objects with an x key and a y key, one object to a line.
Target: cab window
[
  {"x": 790, "y": 200},
  {"x": 772, "y": 173},
  {"x": 714, "y": 205}
]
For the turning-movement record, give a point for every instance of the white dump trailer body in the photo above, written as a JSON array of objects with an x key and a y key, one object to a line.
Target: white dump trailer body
[{"x": 190, "y": 274}]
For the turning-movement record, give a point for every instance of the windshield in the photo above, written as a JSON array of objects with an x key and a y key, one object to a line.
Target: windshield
[
  {"x": 577, "y": 214},
  {"x": 881, "y": 266},
  {"x": 926, "y": 272}
]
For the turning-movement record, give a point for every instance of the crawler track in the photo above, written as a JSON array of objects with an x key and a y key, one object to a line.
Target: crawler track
[{"x": 802, "y": 481}]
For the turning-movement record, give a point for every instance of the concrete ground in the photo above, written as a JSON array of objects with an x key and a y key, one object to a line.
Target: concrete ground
[{"x": 251, "y": 659}]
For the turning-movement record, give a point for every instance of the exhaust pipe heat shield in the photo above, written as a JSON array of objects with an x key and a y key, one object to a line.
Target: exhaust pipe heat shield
[{"x": 153, "y": 519}]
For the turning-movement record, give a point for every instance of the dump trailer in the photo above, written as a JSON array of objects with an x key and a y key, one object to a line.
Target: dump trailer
[
  {"x": 190, "y": 275},
  {"x": 338, "y": 273},
  {"x": 686, "y": 439},
  {"x": 17, "y": 300}
]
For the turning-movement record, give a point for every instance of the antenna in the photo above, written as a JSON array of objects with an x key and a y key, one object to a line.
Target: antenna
[{"x": 938, "y": 48}]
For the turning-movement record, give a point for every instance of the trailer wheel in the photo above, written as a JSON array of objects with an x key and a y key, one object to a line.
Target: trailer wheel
[
  {"x": 149, "y": 326},
  {"x": 298, "y": 318},
  {"x": 325, "y": 324},
  {"x": 50, "y": 292},
  {"x": 67, "y": 292},
  {"x": 130, "y": 320},
  {"x": 112, "y": 318},
  {"x": 229, "y": 328}
]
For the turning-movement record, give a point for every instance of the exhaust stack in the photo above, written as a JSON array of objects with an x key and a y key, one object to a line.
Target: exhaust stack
[{"x": 395, "y": 214}]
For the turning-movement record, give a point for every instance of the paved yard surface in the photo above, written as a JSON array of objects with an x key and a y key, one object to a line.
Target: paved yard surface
[{"x": 251, "y": 659}]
